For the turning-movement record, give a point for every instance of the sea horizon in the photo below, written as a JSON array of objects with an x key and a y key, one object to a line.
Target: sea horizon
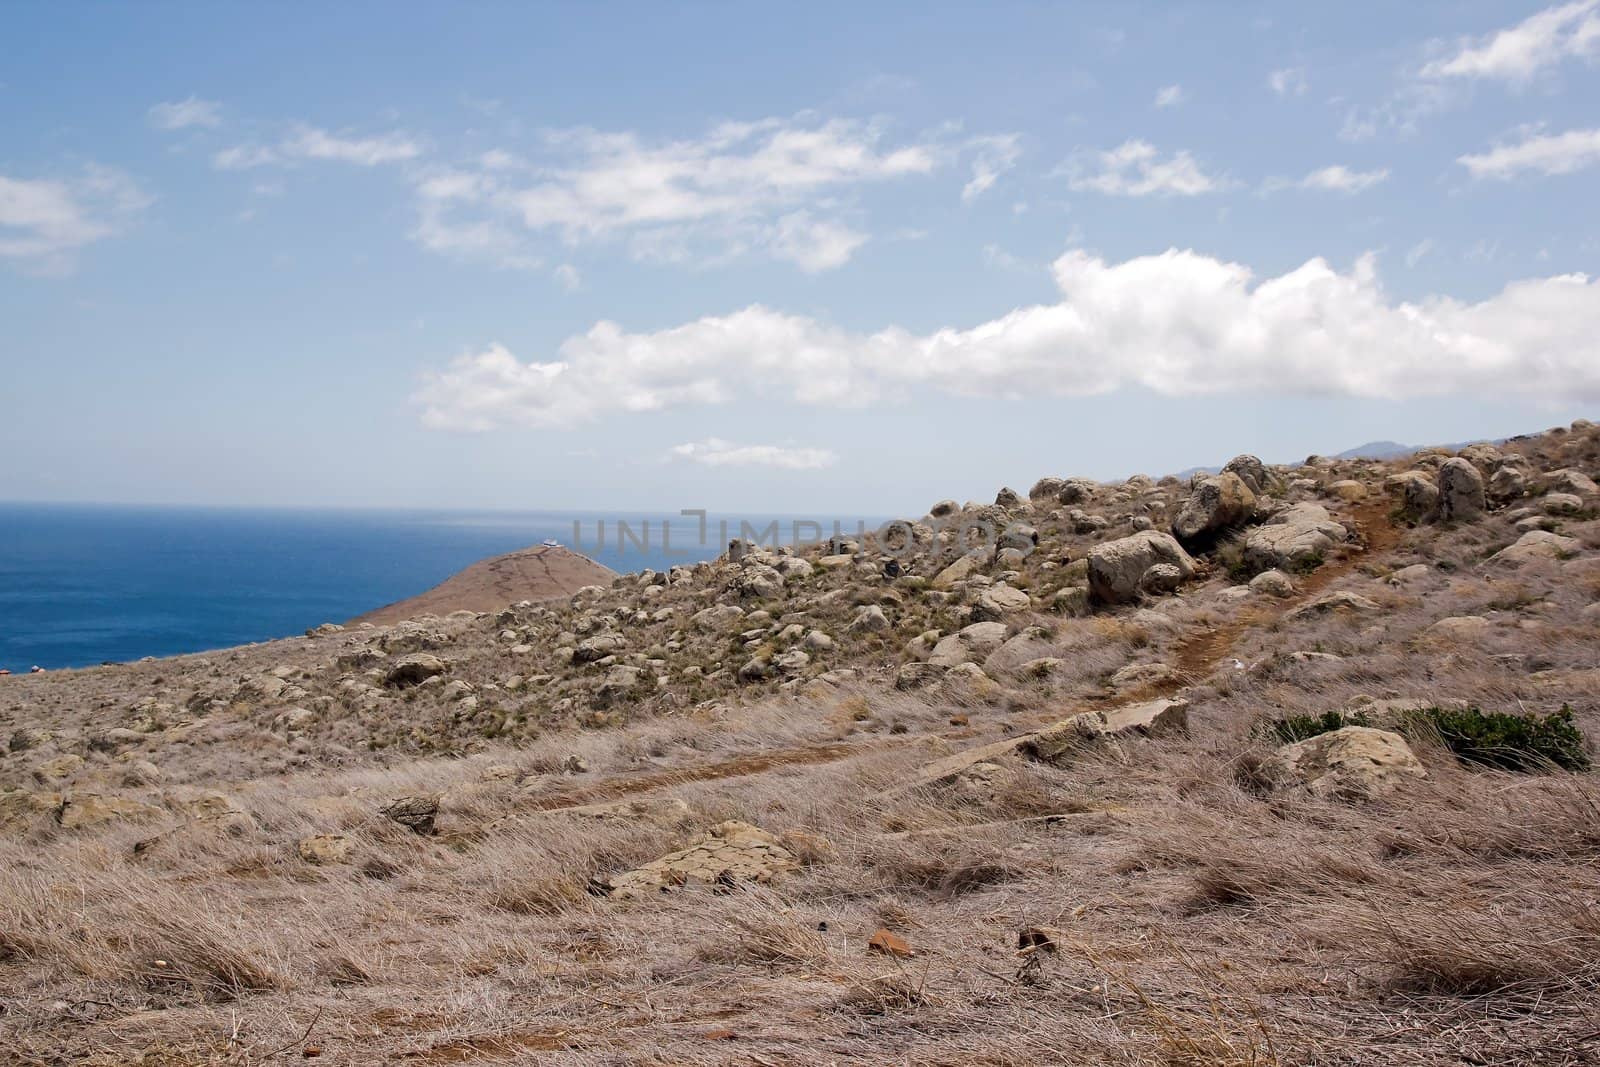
[{"x": 83, "y": 584}]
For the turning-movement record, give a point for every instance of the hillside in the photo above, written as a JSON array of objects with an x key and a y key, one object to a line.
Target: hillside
[
  {"x": 1282, "y": 765},
  {"x": 537, "y": 573}
]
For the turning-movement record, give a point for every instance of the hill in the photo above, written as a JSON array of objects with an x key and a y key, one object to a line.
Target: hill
[
  {"x": 1290, "y": 763},
  {"x": 537, "y": 573}
]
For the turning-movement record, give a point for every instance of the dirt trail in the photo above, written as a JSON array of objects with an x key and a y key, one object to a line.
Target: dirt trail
[{"x": 1199, "y": 653}]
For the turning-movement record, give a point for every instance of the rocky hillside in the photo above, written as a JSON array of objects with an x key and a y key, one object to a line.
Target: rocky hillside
[
  {"x": 541, "y": 572},
  {"x": 1268, "y": 766}
]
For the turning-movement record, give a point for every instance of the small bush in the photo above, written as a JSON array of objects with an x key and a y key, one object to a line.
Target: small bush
[
  {"x": 1294, "y": 728},
  {"x": 1490, "y": 739},
  {"x": 1510, "y": 742}
]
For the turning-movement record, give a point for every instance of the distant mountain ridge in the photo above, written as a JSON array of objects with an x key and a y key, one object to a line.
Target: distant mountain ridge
[{"x": 536, "y": 573}]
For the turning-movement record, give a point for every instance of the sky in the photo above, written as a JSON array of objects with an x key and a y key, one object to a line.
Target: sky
[{"x": 805, "y": 258}]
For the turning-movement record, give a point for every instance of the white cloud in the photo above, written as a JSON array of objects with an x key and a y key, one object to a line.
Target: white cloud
[
  {"x": 1561, "y": 153},
  {"x": 1179, "y": 323},
  {"x": 1417, "y": 252},
  {"x": 44, "y": 222},
  {"x": 993, "y": 156},
  {"x": 776, "y": 187},
  {"x": 1336, "y": 178},
  {"x": 814, "y": 245},
  {"x": 1135, "y": 168},
  {"x": 1171, "y": 96},
  {"x": 715, "y": 452},
  {"x": 569, "y": 277},
  {"x": 311, "y": 143},
  {"x": 1290, "y": 81},
  {"x": 182, "y": 114},
  {"x": 1542, "y": 40}
]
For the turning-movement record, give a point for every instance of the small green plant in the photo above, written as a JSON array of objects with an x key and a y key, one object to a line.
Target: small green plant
[
  {"x": 1292, "y": 728},
  {"x": 1509, "y": 742},
  {"x": 1490, "y": 739}
]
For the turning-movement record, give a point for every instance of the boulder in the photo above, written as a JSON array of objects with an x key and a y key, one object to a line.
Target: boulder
[
  {"x": 414, "y": 669},
  {"x": 1046, "y": 489},
  {"x": 1296, "y": 538},
  {"x": 969, "y": 644},
  {"x": 1356, "y": 761},
  {"x": 599, "y": 647},
  {"x": 1161, "y": 579},
  {"x": 730, "y": 853},
  {"x": 1272, "y": 583},
  {"x": 1462, "y": 497},
  {"x": 1116, "y": 568},
  {"x": 1214, "y": 506},
  {"x": 416, "y": 813},
  {"x": 998, "y": 601},
  {"x": 956, "y": 573},
  {"x": 716, "y": 618},
  {"x": 81, "y": 810},
  {"x": 1567, "y": 480},
  {"x": 1252, "y": 472},
  {"x": 1563, "y": 504},
  {"x": 1419, "y": 496},
  {"x": 1152, "y": 718},
  {"x": 1506, "y": 484},
  {"x": 870, "y": 620},
  {"x": 1533, "y": 546}
]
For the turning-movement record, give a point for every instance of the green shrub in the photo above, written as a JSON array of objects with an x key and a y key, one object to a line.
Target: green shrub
[
  {"x": 1292, "y": 728},
  {"x": 1510, "y": 742},
  {"x": 1490, "y": 739}
]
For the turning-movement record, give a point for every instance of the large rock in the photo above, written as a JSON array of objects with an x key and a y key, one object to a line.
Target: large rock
[
  {"x": 1533, "y": 546},
  {"x": 1297, "y": 538},
  {"x": 998, "y": 601},
  {"x": 731, "y": 852},
  {"x": 1214, "y": 505},
  {"x": 1419, "y": 496},
  {"x": 414, "y": 670},
  {"x": 956, "y": 573},
  {"x": 1571, "y": 481},
  {"x": 972, "y": 643},
  {"x": 716, "y": 618},
  {"x": 1152, "y": 718},
  {"x": 1117, "y": 568},
  {"x": 1254, "y": 473},
  {"x": 1461, "y": 494},
  {"x": 82, "y": 810},
  {"x": 1356, "y": 761},
  {"x": 756, "y": 581}
]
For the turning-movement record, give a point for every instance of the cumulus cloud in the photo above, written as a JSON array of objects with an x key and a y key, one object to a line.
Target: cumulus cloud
[
  {"x": 1136, "y": 168},
  {"x": 182, "y": 114},
  {"x": 1541, "y": 41},
  {"x": 715, "y": 452},
  {"x": 1171, "y": 96},
  {"x": 45, "y": 222},
  {"x": 1335, "y": 179},
  {"x": 781, "y": 188},
  {"x": 1179, "y": 323},
  {"x": 305, "y": 142},
  {"x": 1561, "y": 153}
]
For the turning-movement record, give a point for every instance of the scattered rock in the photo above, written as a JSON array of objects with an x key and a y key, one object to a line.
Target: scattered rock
[
  {"x": 1117, "y": 568},
  {"x": 414, "y": 669},
  {"x": 325, "y": 849},
  {"x": 1352, "y": 761},
  {"x": 416, "y": 813},
  {"x": 1461, "y": 493},
  {"x": 731, "y": 852},
  {"x": 885, "y": 943}
]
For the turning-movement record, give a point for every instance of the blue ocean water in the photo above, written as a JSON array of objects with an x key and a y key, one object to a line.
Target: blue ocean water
[{"x": 86, "y": 584}]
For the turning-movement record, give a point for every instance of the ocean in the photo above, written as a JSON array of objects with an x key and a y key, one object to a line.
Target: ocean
[{"x": 88, "y": 584}]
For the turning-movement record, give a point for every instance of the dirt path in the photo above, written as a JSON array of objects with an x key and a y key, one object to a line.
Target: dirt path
[{"x": 1199, "y": 653}]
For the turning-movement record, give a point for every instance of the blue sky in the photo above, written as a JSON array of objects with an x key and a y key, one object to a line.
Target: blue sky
[{"x": 643, "y": 256}]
